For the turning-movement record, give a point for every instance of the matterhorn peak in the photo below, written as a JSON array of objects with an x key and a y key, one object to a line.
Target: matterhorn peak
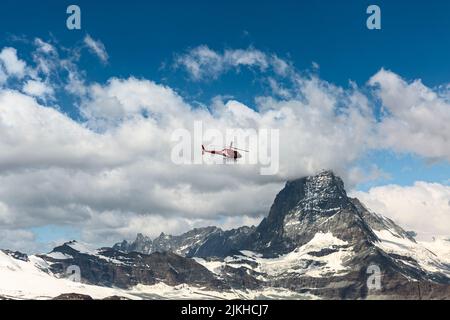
[
  {"x": 309, "y": 205},
  {"x": 319, "y": 192},
  {"x": 324, "y": 183}
]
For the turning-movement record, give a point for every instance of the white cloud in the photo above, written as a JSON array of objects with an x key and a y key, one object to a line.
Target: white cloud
[
  {"x": 96, "y": 47},
  {"x": 358, "y": 174},
  {"x": 3, "y": 75},
  {"x": 278, "y": 89},
  {"x": 417, "y": 118},
  {"x": 44, "y": 47},
  {"x": 19, "y": 239},
  {"x": 46, "y": 58},
  {"x": 423, "y": 207},
  {"x": 57, "y": 170},
  {"x": 55, "y": 69},
  {"x": 204, "y": 63},
  {"x": 12, "y": 64},
  {"x": 38, "y": 89},
  {"x": 249, "y": 57},
  {"x": 121, "y": 99}
]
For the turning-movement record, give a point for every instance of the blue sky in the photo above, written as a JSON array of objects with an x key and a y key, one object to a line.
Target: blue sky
[
  {"x": 141, "y": 35},
  {"x": 144, "y": 38}
]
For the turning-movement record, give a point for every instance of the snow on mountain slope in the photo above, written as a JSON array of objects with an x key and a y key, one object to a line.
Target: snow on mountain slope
[
  {"x": 184, "y": 291},
  {"x": 58, "y": 255},
  {"x": 440, "y": 247},
  {"x": 80, "y": 248},
  {"x": 428, "y": 259},
  {"x": 323, "y": 255},
  {"x": 32, "y": 280},
  {"x": 83, "y": 248}
]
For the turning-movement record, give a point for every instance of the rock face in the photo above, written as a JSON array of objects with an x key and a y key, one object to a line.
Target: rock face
[
  {"x": 308, "y": 206},
  {"x": 109, "y": 267},
  {"x": 16, "y": 255},
  {"x": 182, "y": 244},
  {"x": 315, "y": 241},
  {"x": 223, "y": 243},
  {"x": 77, "y": 296},
  {"x": 72, "y": 296}
]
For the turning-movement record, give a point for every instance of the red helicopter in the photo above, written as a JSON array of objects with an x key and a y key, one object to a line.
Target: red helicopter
[{"x": 229, "y": 153}]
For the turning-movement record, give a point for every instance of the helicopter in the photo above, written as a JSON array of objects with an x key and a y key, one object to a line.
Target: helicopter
[{"x": 229, "y": 153}]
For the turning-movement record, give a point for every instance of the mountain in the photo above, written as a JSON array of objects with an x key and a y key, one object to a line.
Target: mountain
[
  {"x": 178, "y": 244},
  {"x": 110, "y": 274},
  {"x": 316, "y": 242},
  {"x": 109, "y": 267},
  {"x": 30, "y": 277},
  {"x": 198, "y": 242},
  {"x": 315, "y": 236}
]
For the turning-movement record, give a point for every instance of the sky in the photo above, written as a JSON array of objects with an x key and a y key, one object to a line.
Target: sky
[{"x": 87, "y": 116}]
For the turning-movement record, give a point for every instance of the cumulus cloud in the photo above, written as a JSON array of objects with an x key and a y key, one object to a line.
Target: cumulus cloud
[
  {"x": 110, "y": 174},
  {"x": 122, "y": 99},
  {"x": 417, "y": 118},
  {"x": 423, "y": 207},
  {"x": 58, "y": 171},
  {"x": 96, "y": 47}
]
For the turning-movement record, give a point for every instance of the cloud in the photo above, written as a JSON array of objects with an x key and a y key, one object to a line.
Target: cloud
[
  {"x": 3, "y": 75},
  {"x": 116, "y": 165},
  {"x": 58, "y": 171},
  {"x": 44, "y": 47},
  {"x": 122, "y": 99},
  {"x": 357, "y": 174},
  {"x": 97, "y": 48},
  {"x": 19, "y": 239},
  {"x": 110, "y": 175},
  {"x": 38, "y": 89},
  {"x": 45, "y": 57},
  {"x": 11, "y": 63},
  {"x": 203, "y": 63},
  {"x": 423, "y": 207},
  {"x": 416, "y": 117}
]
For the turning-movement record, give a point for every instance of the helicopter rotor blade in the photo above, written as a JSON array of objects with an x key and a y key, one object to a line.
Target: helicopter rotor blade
[{"x": 239, "y": 149}]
